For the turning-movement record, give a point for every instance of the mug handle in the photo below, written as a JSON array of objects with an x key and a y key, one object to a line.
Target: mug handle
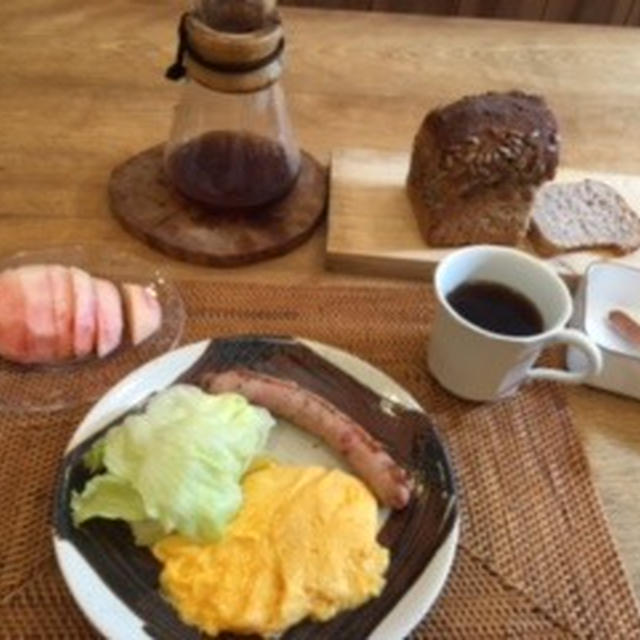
[{"x": 577, "y": 339}]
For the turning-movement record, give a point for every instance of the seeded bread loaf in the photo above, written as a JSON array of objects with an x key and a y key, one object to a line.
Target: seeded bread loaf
[
  {"x": 476, "y": 165},
  {"x": 583, "y": 215}
]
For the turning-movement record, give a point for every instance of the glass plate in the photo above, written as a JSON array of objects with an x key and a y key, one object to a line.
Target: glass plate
[{"x": 32, "y": 388}]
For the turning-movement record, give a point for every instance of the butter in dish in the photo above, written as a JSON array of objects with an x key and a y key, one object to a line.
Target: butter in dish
[{"x": 607, "y": 287}]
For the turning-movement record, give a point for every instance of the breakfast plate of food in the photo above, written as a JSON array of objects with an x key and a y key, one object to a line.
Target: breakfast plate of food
[
  {"x": 256, "y": 486},
  {"x": 74, "y": 318}
]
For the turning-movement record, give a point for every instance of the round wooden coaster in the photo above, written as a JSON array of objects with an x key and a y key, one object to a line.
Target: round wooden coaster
[{"x": 145, "y": 202}]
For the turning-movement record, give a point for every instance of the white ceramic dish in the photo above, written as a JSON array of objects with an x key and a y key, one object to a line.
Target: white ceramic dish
[
  {"x": 607, "y": 286},
  {"x": 113, "y": 618}
]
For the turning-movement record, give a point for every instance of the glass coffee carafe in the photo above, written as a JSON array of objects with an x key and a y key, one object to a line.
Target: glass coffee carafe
[{"x": 231, "y": 143}]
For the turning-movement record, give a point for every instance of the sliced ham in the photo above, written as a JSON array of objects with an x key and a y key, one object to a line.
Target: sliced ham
[
  {"x": 40, "y": 326},
  {"x": 61, "y": 285},
  {"x": 84, "y": 315},
  {"x": 109, "y": 316},
  {"x": 144, "y": 313},
  {"x": 12, "y": 317}
]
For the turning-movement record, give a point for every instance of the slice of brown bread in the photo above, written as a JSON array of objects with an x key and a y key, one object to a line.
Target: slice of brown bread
[{"x": 583, "y": 215}]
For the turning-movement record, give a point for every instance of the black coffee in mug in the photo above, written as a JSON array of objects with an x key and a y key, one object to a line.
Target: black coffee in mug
[{"x": 496, "y": 308}]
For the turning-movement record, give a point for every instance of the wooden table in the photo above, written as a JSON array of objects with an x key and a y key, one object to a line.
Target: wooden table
[{"x": 83, "y": 89}]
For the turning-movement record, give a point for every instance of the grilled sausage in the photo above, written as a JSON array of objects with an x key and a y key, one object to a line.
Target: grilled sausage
[{"x": 388, "y": 481}]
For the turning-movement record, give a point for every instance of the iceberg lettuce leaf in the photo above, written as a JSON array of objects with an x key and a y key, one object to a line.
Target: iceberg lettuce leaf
[
  {"x": 107, "y": 496},
  {"x": 182, "y": 459}
]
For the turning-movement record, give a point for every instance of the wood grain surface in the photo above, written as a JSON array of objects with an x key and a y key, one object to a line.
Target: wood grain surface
[
  {"x": 587, "y": 11},
  {"x": 372, "y": 229},
  {"x": 83, "y": 89},
  {"x": 141, "y": 197}
]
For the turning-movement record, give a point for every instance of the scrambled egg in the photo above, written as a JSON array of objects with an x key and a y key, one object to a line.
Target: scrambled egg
[{"x": 302, "y": 545}]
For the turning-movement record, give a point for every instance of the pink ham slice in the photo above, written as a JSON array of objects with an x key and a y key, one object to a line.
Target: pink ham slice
[
  {"x": 61, "y": 285},
  {"x": 84, "y": 315},
  {"x": 40, "y": 326},
  {"x": 144, "y": 314},
  {"x": 109, "y": 315},
  {"x": 12, "y": 321}
]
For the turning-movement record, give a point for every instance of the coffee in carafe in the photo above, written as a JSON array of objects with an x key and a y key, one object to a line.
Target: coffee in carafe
[{"x": 231, "y": 144}]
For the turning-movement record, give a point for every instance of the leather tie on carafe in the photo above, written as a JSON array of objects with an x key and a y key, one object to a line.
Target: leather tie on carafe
[{"x": 229, "y": 61}]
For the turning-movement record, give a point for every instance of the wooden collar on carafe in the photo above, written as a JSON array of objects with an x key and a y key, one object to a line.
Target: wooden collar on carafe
[{"x": 233, "y": 46}]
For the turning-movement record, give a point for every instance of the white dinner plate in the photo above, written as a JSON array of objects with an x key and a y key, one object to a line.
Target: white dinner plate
[{"x": 115, "y": 616}]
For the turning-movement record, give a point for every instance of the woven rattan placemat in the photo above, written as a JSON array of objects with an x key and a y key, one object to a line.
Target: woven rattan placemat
[{"x": 536, "y": 559}]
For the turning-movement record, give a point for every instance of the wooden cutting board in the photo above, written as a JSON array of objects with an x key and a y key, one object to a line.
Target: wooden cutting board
[{"x": 372, "y": 229}]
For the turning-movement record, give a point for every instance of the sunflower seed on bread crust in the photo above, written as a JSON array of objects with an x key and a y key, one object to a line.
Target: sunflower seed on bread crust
[{"x": 583, "y": 215}]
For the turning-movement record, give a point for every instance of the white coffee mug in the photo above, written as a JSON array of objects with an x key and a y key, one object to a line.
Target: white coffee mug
[{"x": 477, "y": 364}]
